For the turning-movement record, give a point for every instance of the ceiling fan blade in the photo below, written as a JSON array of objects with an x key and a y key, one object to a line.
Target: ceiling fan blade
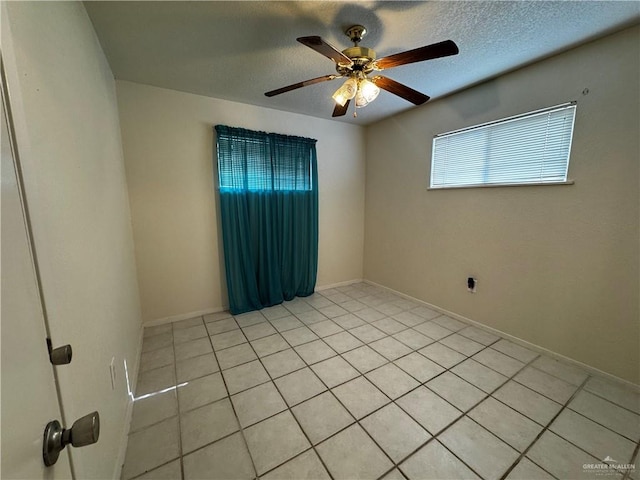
[
  {"x": 400, "y": 90},
  {"x": 436, "y": 50},
  {"x": 326, "y": 78},
  {"x": 323, "y": 48},
  {"x": 339, "y": 111}
]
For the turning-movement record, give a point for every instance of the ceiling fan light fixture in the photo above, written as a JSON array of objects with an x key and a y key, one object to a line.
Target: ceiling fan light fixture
[
  {"x": 361, "y": 101},
  {"x": 367, "y": 93},
  {"x": 346, "y": 92}
]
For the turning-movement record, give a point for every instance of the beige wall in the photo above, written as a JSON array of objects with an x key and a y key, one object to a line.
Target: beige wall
[
  {"x": 169, "y": 153},
  {"x": 63, "y": 97},
  {"x": 557, "y": 265}
]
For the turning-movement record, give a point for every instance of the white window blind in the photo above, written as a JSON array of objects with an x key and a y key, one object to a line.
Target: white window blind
[
  {"x": 526, "y": 149},
  {"x": 259, "y": 161}
]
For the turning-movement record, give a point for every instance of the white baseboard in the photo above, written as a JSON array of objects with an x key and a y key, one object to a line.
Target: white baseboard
[
  {"x": 187, "y": 316},
  {"x": 132, "y": 379},
  {"x": 514, "y": 339},
  {"x": 184, "y": 316},
  {"x": 339, "y": 284}
]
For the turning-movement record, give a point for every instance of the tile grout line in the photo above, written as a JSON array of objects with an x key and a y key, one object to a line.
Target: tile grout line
[
  {"x": 200, "y": 406},
  {"x": 229, "y": 396},
  {"x": 463, "y": 413},
  {"x": 546, "y": 428},
  {"x": 387, "y": 335},
  {"x": 361, "y": 374},
  {"x": 579, "y": 388},
  {"x": 528, "y": 364},
  {"x": 600, "y": 424},
  {"x": 289, "y": 409},
  {"x": 489, "y": 395},
  {"x": 596, "y": 394},
  {"x": 512, "y": 377},
  {"x": 233, "y": 408},
  {"x": 423, "y": 383},
  {"x": 338, "y": 400},
  {"x": 164, "y": 419},
  {"x": 179, "y": 458},
  {"x": 339, "y": 353},
  {"x": 393, "y": 401},
  {"x": 175, "y": 371},
  {"x": 634, "y": 457},
  {"x": 164, "y": 464}
]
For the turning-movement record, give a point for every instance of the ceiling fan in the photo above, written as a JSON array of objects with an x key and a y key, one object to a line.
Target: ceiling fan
[{"x": 356, "y": 63}]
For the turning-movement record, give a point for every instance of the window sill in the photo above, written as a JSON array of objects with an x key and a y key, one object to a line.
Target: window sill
[{"x": 500, "y": 185}]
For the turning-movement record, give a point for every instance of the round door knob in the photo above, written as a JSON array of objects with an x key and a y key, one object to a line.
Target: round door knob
[{"x": 85, "y": 431}]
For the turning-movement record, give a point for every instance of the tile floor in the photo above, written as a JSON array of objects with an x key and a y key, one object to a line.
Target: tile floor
[{"x": 358, "y": 383}]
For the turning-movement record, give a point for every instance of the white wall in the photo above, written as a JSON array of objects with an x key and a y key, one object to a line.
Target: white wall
[
  {"x": 169, "y": 149},
  {"x": 557, "y": 266},
  {"x": 63, "y": 98}
]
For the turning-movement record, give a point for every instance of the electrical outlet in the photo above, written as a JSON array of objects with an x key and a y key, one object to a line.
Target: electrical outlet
[
  {"x": 472, "y": 284},
  {"x": 112, "y": 371}
]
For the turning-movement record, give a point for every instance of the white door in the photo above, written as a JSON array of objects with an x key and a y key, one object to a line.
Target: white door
[{"x": 29, "y": 397}]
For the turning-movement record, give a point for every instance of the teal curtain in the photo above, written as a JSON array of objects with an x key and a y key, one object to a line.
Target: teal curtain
[{"x": 269, "y": 208}]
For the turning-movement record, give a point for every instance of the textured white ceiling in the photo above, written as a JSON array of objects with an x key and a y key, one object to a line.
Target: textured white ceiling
[{"x": 239, "y": 50}]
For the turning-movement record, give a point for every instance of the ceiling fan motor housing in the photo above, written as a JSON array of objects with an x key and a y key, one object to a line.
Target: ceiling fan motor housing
[{"x": 362, "y": 58}]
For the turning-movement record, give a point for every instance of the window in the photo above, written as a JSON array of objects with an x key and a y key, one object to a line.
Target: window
[
  {"x": 258, "y": 161},
  {"x": 531, "y": 148}
]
